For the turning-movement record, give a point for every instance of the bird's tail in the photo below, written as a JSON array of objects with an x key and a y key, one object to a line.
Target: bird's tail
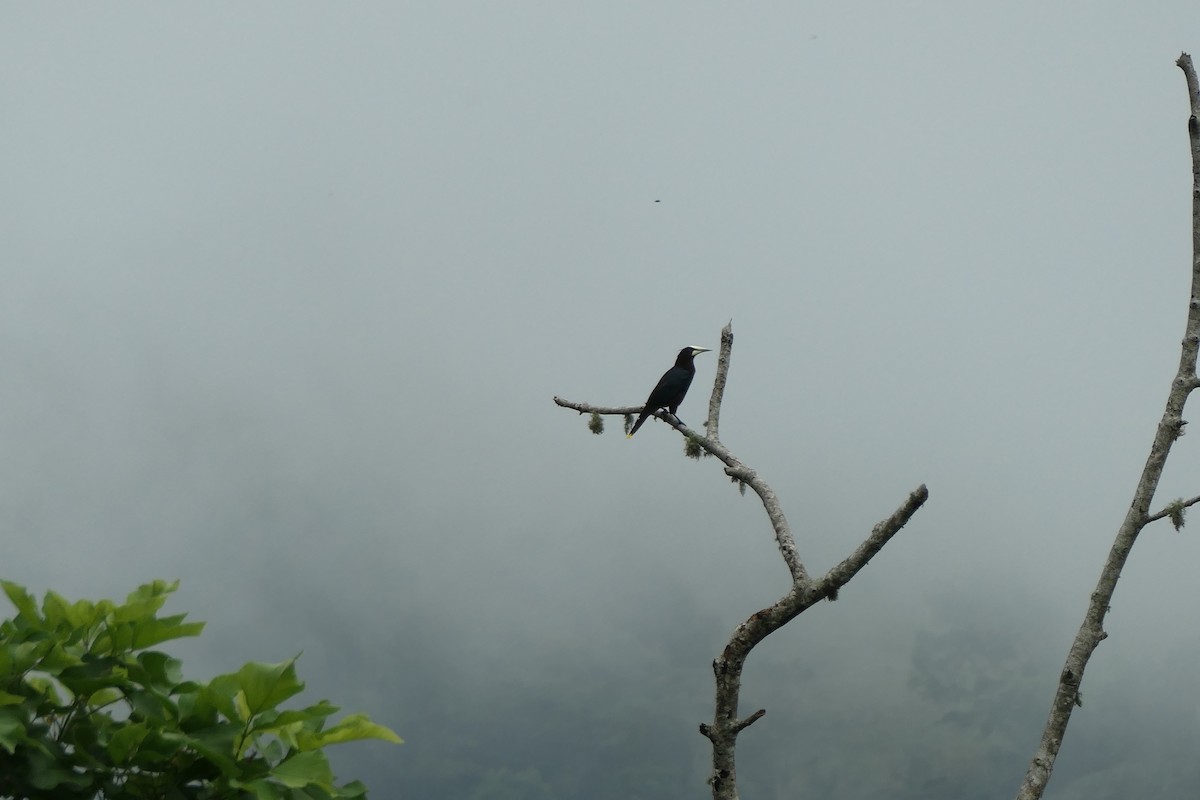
[{"x": 638, "y": 424}]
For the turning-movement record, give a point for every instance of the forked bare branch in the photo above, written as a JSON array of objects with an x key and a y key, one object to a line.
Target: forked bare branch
[{"x": 804, "y": 591}]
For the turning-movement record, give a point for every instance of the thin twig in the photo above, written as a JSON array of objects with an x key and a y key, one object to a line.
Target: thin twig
[
  {"x": 607, "y": 411},
  {"x": 1172, "y": 509},
  {"x": 734, "y": 468}
]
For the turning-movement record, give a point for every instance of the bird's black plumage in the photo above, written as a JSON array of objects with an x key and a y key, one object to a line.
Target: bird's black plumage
[{"x": 672, "y": 386}]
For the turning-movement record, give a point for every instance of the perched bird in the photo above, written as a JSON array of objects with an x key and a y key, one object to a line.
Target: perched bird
[{"x": 672, "y": 387}]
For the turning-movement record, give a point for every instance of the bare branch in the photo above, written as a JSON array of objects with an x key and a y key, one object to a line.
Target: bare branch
[
  {"x": 584, "y": 408},
  {"x": 718, "y": 390},
  {"x": 1184, "y": 62},
  {"x": 742, "y": 724},
  {"x": 734, "y": 469},
  {"x": 1171, "y": 510},
  {"x": 881, "y": 534},
  {"x": 1091, "y": 631},
  {"x": 783, "y": 531}
]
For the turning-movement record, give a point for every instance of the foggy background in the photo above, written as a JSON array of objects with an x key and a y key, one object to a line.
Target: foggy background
[{"x": 287, "y": 290}]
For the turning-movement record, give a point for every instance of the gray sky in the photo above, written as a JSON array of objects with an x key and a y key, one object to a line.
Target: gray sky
[{"x": 288, "y": 288}]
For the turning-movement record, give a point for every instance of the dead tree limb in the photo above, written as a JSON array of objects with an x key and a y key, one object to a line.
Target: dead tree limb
[
  {"x": 1170, "y": 427},
  {"x": 805, "y": 591},
  {"x": 718, "y": 391}
]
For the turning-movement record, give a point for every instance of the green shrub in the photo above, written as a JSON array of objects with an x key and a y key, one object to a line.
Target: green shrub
[{"x": 88, "y": 711}]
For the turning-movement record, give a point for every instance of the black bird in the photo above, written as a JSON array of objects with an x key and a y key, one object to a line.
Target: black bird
[{"x": 672, "y": 387}]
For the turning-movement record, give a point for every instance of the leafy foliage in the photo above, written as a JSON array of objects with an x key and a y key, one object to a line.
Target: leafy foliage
[{"x": 88, "y": 711}]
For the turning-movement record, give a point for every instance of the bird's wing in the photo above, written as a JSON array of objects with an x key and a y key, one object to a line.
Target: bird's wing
[{"x": 667, "y": 388}]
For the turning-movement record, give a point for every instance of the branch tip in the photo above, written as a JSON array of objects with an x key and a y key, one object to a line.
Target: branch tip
[
  {"x": 742, "y": 724},
  {"x": 712, "y": 424}
]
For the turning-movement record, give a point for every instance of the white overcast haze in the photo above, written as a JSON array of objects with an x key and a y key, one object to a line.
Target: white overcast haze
[{"x": 286, "y": 290}]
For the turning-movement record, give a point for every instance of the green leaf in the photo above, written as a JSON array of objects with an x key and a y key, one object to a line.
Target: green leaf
[
  {"x": 215, "y": 744},
  {"x": 46, "y": 772},
  {"x": 157, "y": 589},
  {"x": 46, "y": 688},
  {"x": 126, "y": 740},
  {"x": 7, "y": 699},
  {"x": 92, "y": 675},
  {"x": 220, "y": 693},
  {"x": 352, "y": 789},
  {"x": 74, "y": 618},
  {"x": 152, "y": 706},
  {"x": 352, "y": 728},
  {"x": 269, "y": 721},
  {"x": 114, "y": 639},
  {"x": 264, "y": 789},
  {"x": 158, "y": 747},
  {"x": 154, "y": 631},
  {"x": 12, "y": 728},
  {"x": 158, "y": 670},
  {"x": 138, "y": 611},
  {"x": 271, "y": 749},
  {"x": 105, "y": 697},
  {"x": 196, "y": 710},
  {"x": 57, "y": 658},
  {"x": 267, "y": 685},
  {"x": 17, "y": 658},
  {"x": 304, "y": 769},
  {"x": 23, "y": 600},
  {"x": 243, "y": 708},
  {"x": 56, "y": 609}
]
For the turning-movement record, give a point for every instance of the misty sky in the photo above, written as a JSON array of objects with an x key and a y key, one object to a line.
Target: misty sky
[{"x": 287, "y": 290}]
